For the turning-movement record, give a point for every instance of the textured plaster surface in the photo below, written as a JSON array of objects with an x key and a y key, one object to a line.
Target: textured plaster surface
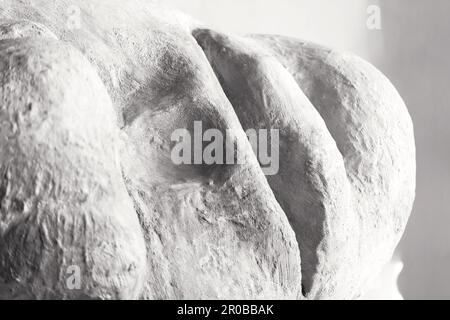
[{"x": 87, "y": 179}]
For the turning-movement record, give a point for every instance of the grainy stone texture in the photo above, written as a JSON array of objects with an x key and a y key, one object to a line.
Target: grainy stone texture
[
  {"x": 211, "y": 231},
  {"x": 23, "y": 29},
  {"x": 311, "y": 185},
  {"x": 63, "y": 200},
  {"x": 87, "y": 179},
  {"x": 373, "y": 130}
]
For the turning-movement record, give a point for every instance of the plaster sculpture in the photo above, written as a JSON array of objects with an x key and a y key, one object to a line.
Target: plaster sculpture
[{"x": 87, "y": 180}]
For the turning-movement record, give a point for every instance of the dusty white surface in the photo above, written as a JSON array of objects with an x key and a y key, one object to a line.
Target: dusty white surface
[
  {"x": 374, "y": 132},
  {"x": 385, "y": 285},
  {"x": 63, "y": 199},
  {"x": 209, "y": 231},
  {"x": 311, "y": 186}
]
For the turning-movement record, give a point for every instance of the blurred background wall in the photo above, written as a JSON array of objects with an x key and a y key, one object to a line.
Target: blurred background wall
[
  {"x": 413, "y": 49},
  {"x": 417, "y": 60}
]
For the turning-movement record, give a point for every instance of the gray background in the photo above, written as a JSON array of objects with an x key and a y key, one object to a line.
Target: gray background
[{"x": 413, "y": 50}]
